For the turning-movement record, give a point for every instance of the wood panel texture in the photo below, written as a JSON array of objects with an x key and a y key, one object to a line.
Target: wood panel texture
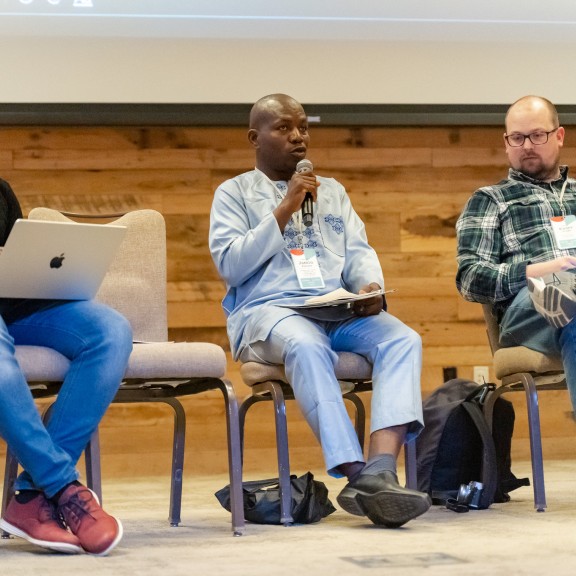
[{"x": 409, "y": 184}]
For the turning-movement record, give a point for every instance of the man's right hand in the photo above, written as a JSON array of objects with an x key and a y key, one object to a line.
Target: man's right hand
[
  {"x": 298, "y": 186},
  {"x": 556, "y": 265}
]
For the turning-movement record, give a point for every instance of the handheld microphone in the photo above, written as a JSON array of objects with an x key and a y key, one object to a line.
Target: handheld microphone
[{"x": 304, "y": 166}]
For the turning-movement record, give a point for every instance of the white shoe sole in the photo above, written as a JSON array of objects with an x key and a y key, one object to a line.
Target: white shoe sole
[
  {"x": 557, "y": 307},
  {"x": 63, "y": 547},
  {"x": 118, "y": 536},
  {"x": 114, "y": 543}
]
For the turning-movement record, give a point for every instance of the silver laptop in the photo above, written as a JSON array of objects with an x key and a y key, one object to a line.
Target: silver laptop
[{"x": 57, "y": 260}]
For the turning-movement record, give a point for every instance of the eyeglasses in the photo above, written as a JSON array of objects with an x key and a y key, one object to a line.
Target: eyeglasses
[{"x": 537, "y": 138}]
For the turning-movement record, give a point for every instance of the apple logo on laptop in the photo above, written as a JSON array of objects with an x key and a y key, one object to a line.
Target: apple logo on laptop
[{"x": 56, "y": 262}]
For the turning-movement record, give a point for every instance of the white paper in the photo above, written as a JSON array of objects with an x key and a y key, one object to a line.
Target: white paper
[{"x": 341, "y": 296}]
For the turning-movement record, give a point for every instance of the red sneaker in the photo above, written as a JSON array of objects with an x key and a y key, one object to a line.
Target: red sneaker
[
  {"x": 97, "y": 531},
  {"x": 37, "y": 522}
]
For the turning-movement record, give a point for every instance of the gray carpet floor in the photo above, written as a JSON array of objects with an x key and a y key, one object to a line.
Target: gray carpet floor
[{"x": 507, "y": 539}]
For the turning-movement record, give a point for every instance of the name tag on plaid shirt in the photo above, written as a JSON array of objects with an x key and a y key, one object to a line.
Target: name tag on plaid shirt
[{"x": 564, "y": 230}]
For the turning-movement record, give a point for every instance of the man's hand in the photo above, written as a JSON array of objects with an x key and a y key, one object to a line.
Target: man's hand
[
  {"x": 369, "y": 306},
  {"x": 556, "y": 265},
  {"x": 298, "y": 186}
]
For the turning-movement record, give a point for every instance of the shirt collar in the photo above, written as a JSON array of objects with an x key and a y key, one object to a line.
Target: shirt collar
[{"x": 517, "y": 175}]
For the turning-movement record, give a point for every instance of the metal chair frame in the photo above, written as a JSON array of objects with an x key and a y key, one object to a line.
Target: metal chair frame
[
  {"x": 278, "y": 391},
  {"x": 530, "y": 382}
]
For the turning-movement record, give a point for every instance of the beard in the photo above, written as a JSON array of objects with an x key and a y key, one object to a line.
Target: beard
[{"x": 535, "y": 167}]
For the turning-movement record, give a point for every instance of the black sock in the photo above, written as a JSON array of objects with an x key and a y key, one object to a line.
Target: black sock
[
  {"x": 355, "y": 471},
  {"x": 25, "y": 496},
  {"x": 58, "y": 494}
]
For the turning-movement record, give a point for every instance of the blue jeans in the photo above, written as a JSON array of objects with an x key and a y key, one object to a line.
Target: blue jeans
[
  {"x": 97, "y": 340},
  {"x": 307, "y": 349},
  {"x": 522, "y": 325}
]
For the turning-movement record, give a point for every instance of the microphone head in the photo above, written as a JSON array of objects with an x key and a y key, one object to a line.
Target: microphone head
[{"x": 304, "y": 166}]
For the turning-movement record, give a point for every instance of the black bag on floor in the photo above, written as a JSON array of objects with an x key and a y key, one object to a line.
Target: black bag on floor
[
  {"x": 459, "y": 462},
  {"x": 261, "y": 498}
]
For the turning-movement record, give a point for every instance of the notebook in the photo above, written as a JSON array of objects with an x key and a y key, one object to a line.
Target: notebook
[
  {"x": 57, "y": 260},
  {"x": 336, "y": 305}
]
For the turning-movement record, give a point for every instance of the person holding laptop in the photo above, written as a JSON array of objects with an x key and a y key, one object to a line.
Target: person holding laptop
[{"x": 50, "y": 507}]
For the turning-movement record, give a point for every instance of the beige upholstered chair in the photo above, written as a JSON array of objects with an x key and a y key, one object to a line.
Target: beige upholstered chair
[
  {"x": 158, "y": 370},
  {"x": 519, "y": 368},
  {"x": 269, "y": 382}
]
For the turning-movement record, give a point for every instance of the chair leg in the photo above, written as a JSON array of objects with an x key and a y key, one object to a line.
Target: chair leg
[
  {"x": 359, "y": 416},
  {"x": 93, "y": 469},
  {"x": 178, "y": 444},
  {"x": 410, "y": 465},
  {"x": 10, "y": 474},
  {"x": 535, "y": 442},
  {"x": 246, "y": 403},
  {"x": 234, "y": 457},
  {"x": 282, "y": 452},
  {"x": 533, "y": 429}
]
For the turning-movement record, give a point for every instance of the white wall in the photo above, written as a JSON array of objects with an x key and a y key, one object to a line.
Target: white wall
[
  {"x": 465, "y": 59},
  {"x": 189, "y": 71}
]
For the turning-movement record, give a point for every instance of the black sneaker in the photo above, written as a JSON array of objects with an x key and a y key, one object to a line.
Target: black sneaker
[
  {"x": 554, "y": 297},
  {"x": 383, "y": 500}
]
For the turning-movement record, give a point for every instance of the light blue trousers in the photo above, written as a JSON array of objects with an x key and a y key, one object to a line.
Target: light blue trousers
[
  {"x": 98, "y": 342},
  {"x": 522, "y": 325},
  {"x": 307, "y": 349}
]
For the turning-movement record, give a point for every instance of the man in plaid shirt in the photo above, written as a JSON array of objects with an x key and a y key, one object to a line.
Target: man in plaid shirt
[{"x": 517, "y": 239}]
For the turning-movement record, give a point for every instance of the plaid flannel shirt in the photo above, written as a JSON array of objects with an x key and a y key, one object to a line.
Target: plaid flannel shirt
[{"x": 505, "y": 227}]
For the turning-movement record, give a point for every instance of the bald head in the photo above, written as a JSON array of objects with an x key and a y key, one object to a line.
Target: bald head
[
  {"x": 271, "y": 106},
  {"x": 532, "y": 106}
]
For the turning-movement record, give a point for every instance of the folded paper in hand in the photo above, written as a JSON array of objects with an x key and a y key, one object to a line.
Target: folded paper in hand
[
  {"x": 341, "y": 296},
  {"x": 336, "y": 305}
]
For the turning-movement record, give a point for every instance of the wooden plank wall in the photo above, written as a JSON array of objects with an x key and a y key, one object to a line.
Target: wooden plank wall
[{"x": 409, "y": 185}]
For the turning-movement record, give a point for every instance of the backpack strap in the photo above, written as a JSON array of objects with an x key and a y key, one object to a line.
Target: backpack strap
[
  {"x": 489, "y": 462},
  {"x": 480, "y": 393}
]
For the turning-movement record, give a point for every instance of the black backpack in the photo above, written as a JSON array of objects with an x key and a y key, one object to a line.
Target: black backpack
[{"x": 456, "y": 448}]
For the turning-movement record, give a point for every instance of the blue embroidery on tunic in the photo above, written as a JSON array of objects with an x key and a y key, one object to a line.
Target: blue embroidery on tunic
[
  {"x": 336, "y": 222},
  {"x": 290, "y": 233},
  {"x": 292, "y": 236}
]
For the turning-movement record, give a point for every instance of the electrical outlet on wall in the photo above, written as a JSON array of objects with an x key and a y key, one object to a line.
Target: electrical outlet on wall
[{"x": 481, "y": 374}]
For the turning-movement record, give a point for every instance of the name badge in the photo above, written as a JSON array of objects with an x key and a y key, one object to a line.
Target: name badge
[
  {"x": 564, "y": 230},
  {"x": 307, "y": 268}
]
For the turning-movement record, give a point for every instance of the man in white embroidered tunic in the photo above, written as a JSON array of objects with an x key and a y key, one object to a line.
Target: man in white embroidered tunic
[{"x": 270, "y": 259}]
